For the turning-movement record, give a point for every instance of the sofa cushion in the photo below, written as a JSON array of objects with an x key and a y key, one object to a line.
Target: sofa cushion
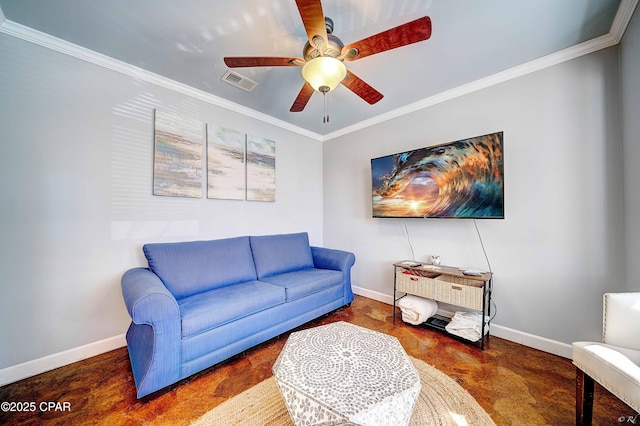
[
  {"x": 305, "y": 282},
  {"x": 276, "y": 254},
  {"x": 214, "y": 308},
  {"x": 194, "y": 267}
]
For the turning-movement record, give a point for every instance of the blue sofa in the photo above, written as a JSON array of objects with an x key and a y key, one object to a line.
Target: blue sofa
[{"x": 202, "y": 302}]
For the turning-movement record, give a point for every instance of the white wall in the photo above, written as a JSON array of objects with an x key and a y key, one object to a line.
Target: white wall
[
  {"x": 561, "y": 243},
  {"x": 630, "y": 89},
  {"x": 75, "y": 185}
]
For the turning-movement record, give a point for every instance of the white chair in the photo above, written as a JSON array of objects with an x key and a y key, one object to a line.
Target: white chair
[{"x": 614, "y": 363}]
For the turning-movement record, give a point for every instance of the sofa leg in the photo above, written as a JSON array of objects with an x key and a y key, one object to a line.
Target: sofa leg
[{"x": 584, "y": 398}]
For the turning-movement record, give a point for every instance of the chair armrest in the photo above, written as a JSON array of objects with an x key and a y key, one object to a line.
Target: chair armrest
[
  {"x": 325, "y": 258},
  {"x": 621, "y": 320}
]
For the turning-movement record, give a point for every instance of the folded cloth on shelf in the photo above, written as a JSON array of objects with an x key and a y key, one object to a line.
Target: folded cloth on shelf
[
  {"x": 467, "y": 325},
  {"x": 416, "y": 310}
]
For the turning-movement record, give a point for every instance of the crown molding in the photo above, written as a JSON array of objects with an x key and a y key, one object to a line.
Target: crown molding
[
  {"x": 621, "y": 21},
  {"x": 618, "y": 27},
  {"x": 45, "y": 40},
  {"x": 616, "y": 32},
  {"x": 518, "y": 71}
]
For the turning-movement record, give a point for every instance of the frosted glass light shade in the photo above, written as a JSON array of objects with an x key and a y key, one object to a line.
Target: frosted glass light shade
[{"x": 324, "y": 71}]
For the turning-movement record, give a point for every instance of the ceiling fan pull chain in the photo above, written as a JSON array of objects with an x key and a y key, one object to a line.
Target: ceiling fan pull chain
[
  {"x": 323, "y": 55},
  {"x": 325, "y": 117}
]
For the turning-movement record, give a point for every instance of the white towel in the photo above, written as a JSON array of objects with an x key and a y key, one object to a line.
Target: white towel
[
  {"x": 416, "y": 310},
  {"x": 467, "y": 325}
]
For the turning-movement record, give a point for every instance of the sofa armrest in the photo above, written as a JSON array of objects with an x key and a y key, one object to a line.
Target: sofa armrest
[
  {"x": 621, "y": 320},
  {"x": 324, "y": 258},
  {"x": 147, "y": 299},
  {"x": 153, "y": 338}
]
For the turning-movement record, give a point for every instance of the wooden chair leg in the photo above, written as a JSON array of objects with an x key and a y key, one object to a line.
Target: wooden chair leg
[{"x": 584, "y": 398}]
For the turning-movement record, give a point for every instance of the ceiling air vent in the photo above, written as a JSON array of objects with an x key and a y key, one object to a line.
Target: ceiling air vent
[{"x": 239, "y": 80}]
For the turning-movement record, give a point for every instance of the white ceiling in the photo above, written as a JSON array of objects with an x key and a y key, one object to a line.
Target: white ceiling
[{"x": 185, "y": 41}]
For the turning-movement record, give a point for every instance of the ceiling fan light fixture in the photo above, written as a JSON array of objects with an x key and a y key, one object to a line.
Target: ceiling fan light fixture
[{"x": 323, "y": 72}]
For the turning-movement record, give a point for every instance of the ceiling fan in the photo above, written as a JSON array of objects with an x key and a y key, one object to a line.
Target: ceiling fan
[{"x": 324, "y": 54}]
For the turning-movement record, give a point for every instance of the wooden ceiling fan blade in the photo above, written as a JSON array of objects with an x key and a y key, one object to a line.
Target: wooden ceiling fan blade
[
  {"x": 303, "y": 98},
  {"x": 362, "y": 89},
  {"x": 409, "y": 33},
  {"x": 313, "y": 19},
  {"x": 259, "y": 61}
]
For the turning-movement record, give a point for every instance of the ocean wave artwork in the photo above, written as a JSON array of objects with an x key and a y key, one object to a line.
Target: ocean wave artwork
[{"x": 462, "y": 179}]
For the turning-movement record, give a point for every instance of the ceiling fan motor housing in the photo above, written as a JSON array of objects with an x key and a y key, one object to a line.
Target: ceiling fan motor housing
[
  {"x": 323, "y": 55},
  {"x": 316, "y": 48},
  {"x": 333, "y": 49}
]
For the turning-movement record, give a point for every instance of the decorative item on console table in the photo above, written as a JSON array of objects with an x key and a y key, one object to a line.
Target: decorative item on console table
[{"x": 445, "y": 284}]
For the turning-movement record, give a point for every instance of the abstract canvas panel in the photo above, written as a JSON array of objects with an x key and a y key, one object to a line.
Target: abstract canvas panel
[
  {"x": 177, "y": 157},
  {"x": 225, "y": 163},
  {"x": 261, "y": 169}
]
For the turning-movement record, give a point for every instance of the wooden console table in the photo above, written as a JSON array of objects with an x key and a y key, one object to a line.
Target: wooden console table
[{"x": 445, "y": 284}]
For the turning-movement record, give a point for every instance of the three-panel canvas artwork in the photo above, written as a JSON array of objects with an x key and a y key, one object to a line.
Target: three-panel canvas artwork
[
  {"x": 239, "y": 166},
  {"x": 177, "y": 156}
]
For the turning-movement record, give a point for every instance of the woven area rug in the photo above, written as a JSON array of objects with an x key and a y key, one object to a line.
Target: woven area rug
[{"x": 442, "y": 401}]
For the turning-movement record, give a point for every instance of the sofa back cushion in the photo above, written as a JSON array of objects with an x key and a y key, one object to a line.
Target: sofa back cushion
[
  {"x": 276, "y": 254},
  {"x": 194, "y": 267}
]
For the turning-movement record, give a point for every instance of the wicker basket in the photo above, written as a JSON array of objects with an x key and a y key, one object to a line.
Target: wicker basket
[
  {"x": 415, "y": 284},
  {"x": 446, "y": 289}
]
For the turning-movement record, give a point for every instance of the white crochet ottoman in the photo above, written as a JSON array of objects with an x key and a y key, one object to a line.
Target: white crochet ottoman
[{"x": 341, "y": 372}]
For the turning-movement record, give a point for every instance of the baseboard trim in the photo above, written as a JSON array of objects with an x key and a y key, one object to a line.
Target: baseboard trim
[
  {"x": 516, "y": 336},
  {"x": 531, "y": 340},
  {"x": 37, "y": 366},
  {"x": 370, "y": 294}
]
